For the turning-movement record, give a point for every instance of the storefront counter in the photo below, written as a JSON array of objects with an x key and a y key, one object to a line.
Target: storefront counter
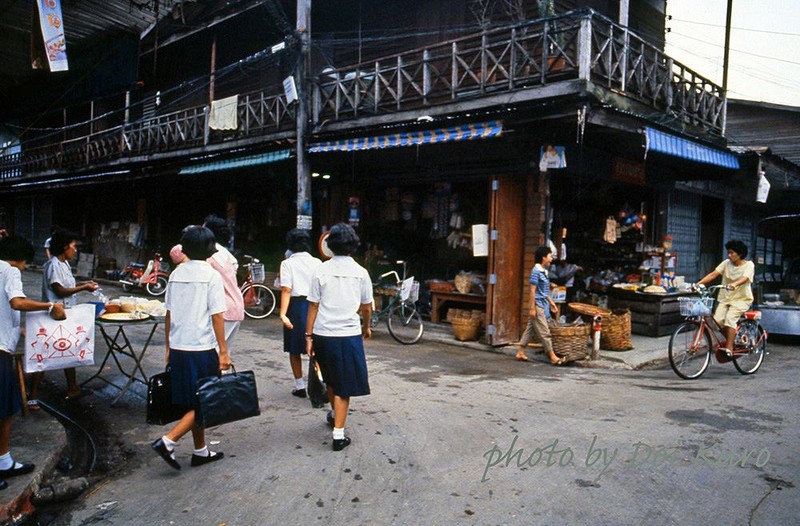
[
  {"x": 439, "y": 299},
  {"x": 651, "y": 314}
]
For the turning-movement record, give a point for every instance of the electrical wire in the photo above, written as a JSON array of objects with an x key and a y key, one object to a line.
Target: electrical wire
[
  {"x": 767, "y": 31},
  {"x": 737, "y": 50}
]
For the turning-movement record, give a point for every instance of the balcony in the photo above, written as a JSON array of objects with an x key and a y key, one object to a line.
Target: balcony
[{"x": 575, "y": 53}]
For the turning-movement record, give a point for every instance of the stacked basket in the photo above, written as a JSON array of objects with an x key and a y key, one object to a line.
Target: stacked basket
[
  {"x": 466, "y": 329},
  {"x": 616, "y": 332}
]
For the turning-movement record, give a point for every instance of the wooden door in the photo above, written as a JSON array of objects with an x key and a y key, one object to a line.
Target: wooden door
[{"x": 506, "y": 251}]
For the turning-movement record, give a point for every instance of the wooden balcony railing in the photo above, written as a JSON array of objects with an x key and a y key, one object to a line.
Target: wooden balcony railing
[{"x": 578, "y": 45}]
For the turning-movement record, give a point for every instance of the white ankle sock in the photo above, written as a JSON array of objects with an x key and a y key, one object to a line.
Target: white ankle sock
[
  {"x": 6, "y": 462},
  {"x": 338, "y": 433},
  {"x": 299, "y": 383},
  {"x": 204, "y": 452},
  {"x": 169, "y": 443}
]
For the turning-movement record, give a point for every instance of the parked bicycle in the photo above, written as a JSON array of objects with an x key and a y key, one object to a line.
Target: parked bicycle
[
  {"x": 690, "y": 346},
  {"x": 153, "y": 276},
  {"x": 259, "y": 300},
  {"x": 399, "y": 306}
]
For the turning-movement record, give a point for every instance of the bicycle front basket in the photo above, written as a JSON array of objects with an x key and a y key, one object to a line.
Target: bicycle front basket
[
  {"x": 409, "y": 290},
  {"x": 696, "y": 306},
  {"x": 257, "y": 272}
]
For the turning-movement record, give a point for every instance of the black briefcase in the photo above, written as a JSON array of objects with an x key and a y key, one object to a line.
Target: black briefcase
[
  {"x": 315, "y": 387},
  {"x": 226, "y": 398},
  {"x": 160, "y": 409}
]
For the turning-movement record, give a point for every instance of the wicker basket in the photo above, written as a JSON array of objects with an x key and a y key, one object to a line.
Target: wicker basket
[
  {"x": 464, "y": 282},
  {"x": 571, "y": 341},
  {"x": 440, "y": 286},
  {"x": 616, "y": 332},
  {"x": 466, "y": 329},
  {"x": 584, "y": 309}
]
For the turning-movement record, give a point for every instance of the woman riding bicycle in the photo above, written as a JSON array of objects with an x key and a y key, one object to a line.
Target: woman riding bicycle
[{"x": 737, "y": 295}]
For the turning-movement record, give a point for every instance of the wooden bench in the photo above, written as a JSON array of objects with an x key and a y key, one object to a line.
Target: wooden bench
[{"x": 439, "y": 299}]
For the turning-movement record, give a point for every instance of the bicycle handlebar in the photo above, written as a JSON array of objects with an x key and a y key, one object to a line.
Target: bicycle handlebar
[{"x": 396, "y": 276}]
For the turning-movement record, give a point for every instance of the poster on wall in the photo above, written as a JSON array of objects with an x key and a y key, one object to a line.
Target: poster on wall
[
  {"x": 552, "y": 157},
  {"x": 354, "y": 213},
  {"x": 55, "y": 44}
]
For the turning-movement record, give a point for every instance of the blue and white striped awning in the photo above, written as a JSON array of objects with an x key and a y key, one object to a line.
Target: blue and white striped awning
[
  {"x": 467, "y": 132},
  {"x": 656, "y": 141},
  {"x": 237, "y": 162}
]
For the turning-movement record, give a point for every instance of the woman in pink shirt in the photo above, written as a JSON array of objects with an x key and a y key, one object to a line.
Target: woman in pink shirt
[{"x": 226, "y": 264}]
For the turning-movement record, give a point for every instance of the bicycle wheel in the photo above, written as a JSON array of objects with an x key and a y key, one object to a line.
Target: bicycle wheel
[
  {"x": 405, "y": 323},
  {"x": 689, "y": 351},
  {"x": 751, "y": 347},
  {"x": 259, "y": 301},
  {"x": 159, "y": 287}
]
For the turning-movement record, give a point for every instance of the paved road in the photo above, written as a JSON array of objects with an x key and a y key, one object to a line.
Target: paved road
[{"x": 457, "y": 436}]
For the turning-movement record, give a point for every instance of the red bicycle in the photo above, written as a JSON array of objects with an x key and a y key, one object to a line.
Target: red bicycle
[
  {"x": 153, "y": 276},
  {"x": 690, "y": 346}
]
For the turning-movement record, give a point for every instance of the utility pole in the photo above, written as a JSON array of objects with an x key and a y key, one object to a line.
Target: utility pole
[
  {"x": 725, "y": 61},
  {"x": 304, "y": 209}
]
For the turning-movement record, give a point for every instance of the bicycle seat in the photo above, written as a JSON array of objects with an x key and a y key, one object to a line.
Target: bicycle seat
[{"x": 753, "y": 315}]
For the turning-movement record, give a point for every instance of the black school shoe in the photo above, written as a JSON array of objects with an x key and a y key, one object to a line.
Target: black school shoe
[
  {"x": 340, "y": 444},
  {"x": 199, "y": 460},
  {"x": 3, "y": 484},
  {"x": 299, "y": 393},
  {"x": 161, "y": 448},
  {"x": 329, "y": 418},
  {"x": 17, "y": 470}
]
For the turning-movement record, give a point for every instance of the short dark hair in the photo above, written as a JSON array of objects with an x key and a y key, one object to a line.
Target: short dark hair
[
  {"x": 540, "y": 254},
  {"x": 198, "y": 242},
  {"x": 737, "y": 246},
  {"x": 61, "y": 240},
  {"x": 343, "y": 239},
  {"x": 219, "y": 227},
  {"x": 16, "y": 248},
  {"x": 298, "y": 240}
]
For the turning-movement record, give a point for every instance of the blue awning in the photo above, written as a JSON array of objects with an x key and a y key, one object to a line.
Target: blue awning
[
  {"x": 656, "y": 141},
  {"x": 483, "y": 130},
  {"x": 237, "y": 162}
]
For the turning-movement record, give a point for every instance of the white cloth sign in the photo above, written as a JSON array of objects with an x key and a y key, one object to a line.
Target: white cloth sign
[
  {"x": 51, "y": 344},
  {"x": 224, "y": 114},
  {"x": 480, "y": 240}
]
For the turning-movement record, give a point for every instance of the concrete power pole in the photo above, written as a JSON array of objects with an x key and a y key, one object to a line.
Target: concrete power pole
[{"x": 304, "y": 209}]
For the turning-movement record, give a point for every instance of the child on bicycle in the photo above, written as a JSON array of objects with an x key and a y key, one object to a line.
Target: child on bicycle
[{"x": 737, "y": 295}]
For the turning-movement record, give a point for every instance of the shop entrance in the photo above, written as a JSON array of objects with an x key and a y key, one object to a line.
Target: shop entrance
[{"x": 711, "y": 234}]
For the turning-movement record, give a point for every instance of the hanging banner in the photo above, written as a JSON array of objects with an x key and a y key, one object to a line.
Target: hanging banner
[
  {"x": 52, "y": 24},
  {"x": 763, "y": 188}
]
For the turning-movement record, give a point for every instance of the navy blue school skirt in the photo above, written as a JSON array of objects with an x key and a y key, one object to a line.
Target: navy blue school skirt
[
  {"x": 186, "y": 367},
  {"x": 10, "y": 396},
  {"x": 294, "y": 341},
  {"x": 343, "y": 365}
]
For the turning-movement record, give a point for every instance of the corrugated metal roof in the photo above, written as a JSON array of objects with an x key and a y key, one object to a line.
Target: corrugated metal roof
[{"x": 759, "y": 125}]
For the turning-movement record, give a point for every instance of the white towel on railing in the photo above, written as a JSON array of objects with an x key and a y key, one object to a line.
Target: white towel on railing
[{"x": 223, "y": 114}]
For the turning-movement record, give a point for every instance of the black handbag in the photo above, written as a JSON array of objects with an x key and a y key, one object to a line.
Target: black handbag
[
  {"x": 226, "y": 398},
  {"x": 317, "y": 392},
  {"x": 160, "y": 409}
]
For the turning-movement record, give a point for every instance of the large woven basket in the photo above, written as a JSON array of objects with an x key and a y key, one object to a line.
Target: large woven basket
[
  {"x": 466, "y": 329},
  {"x": 616, "y": 332},
  {"x": 571, "y": 341}
]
